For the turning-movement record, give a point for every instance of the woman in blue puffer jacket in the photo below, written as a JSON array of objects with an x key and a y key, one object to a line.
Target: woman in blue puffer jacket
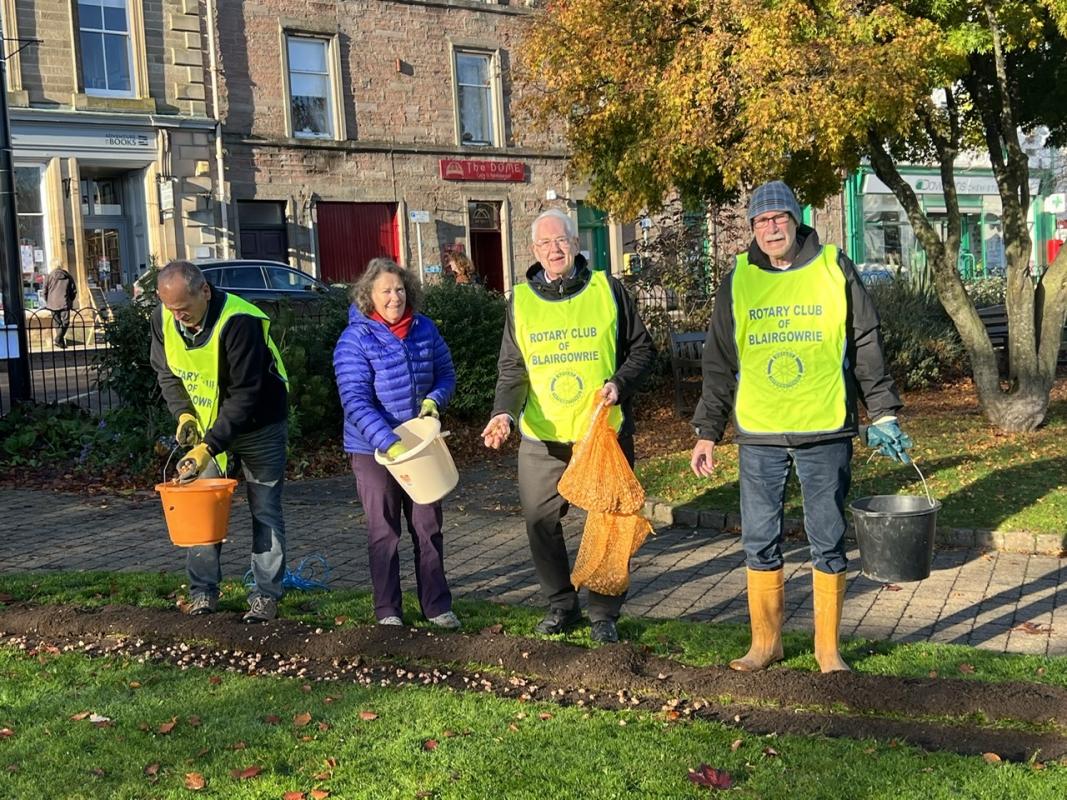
[{"x": 392, "y": 366}]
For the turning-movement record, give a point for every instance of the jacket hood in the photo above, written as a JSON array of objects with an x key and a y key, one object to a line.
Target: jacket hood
[
  {"x": 561, "y": 287},
  {"x": 808, "y": 240}
]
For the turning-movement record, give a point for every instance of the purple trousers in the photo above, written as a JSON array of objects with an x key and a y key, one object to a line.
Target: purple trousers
[{"x": 383, "y": 503}]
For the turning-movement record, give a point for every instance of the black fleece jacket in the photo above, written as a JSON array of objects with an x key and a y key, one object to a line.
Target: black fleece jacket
[
  {"x": 866, "y": 375},
  {"x": 635, "y": 353},
  {"x": 252, "y": 394}
]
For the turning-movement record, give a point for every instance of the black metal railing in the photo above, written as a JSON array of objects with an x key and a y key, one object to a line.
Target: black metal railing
[{"x": 64, "y": 372}]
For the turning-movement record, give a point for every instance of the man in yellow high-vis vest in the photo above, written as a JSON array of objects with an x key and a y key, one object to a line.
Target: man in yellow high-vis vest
[
  {"x": 793, "y": 342},
  {"x": 222, "y": 377},
  {"x": 573, "y": 338}
]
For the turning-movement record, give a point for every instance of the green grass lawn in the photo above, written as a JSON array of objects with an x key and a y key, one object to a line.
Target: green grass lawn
[
  {"x": 169, "y": 727},
  {"x": 984, "y": 479}
]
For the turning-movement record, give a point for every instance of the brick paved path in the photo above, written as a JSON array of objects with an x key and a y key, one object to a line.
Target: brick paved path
[{"x": 972, "y": 597}]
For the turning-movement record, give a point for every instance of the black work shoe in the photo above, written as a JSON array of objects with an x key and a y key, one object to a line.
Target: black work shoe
[
  {"x": 260, "y": 609},
  {"x": 604, "y": 631},
  {"x": 558, "y": 620}
]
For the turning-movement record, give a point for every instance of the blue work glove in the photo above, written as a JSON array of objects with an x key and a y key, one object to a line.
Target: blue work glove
[
  {"x": 429, "y": 409},
  {"x": 887, "y": 438}
]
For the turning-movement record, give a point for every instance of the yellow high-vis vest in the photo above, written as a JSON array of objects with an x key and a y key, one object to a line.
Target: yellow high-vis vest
[
  {"x": 198, "y": 367},
  {"x": 789, "y": 327},
  {"x": 568, "y": 346}
]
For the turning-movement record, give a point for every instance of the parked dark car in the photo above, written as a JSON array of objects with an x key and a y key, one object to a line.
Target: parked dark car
[{"x": 254, "y": 280}]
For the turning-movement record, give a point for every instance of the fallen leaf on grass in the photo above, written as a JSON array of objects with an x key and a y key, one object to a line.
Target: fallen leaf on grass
[
  {"x": 330, "y": 762},
  {"x": 672, "y": 715},
  {"x": 544, "y": 716},
  {"x": 324, "y": 726},
  {"x": 770, "y": 752},
  {"x": 194, "y": 781},
  {"x": 294, "y": 796},
  {"x": 6, "y": 733},
  {"x": 319, "y": 794},
  {"x": 494, "y": 630},
  {"x": 340, "y": 620},
  {"x": 214, "y": 680},
  {"x": 100, "y": 721},
  {"x": 98, "y": 772},
  {"x": 151, "y": 770},
  {"x": 990, "y": 758},
  {"x": 300, "y": 720},
  {"x": 710, "y": 777},
  {"x": 238, "y": 746},
  {"x": 80, "y": 716},
  {"x": 135, "y": 684},
  {"x": 322, "y": 776},
  {"x": 194, "y": 721},
  {"x": 429, "y": 744},
  {"x": 966, "y": 668},
  {"x": 167, "y": 727},
  {"x": 735, "y": 744},
  {"x": 367, "y": 716},
  {"x": 246, "y": 773},
  {"x": 272, "y": 719}
]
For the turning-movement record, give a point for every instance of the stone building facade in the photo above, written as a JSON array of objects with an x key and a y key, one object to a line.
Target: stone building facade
[
  {"x": 358, "y": 128},
  {"x": 113, "y": 138}
]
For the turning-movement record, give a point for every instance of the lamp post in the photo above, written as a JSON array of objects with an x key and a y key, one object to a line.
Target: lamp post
[{"x": 18, "y": 364}]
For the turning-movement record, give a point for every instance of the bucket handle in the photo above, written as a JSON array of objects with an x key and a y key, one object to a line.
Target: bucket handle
[
  {"x": 926, "y": 488},
  {"x": 174, "y": 450}
]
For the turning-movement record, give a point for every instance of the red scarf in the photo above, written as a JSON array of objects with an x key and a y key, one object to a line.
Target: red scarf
[{"x": 401, "y": 327}]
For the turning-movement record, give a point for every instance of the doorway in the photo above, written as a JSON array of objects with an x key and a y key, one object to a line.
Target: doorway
[
  {"x": 263, "y": 233},
  {"x": 105, "y": 257},
  {"x": 487, "y": 250}
]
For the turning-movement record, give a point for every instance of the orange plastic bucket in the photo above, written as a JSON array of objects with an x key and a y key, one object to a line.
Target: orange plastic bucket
[{"x": 197, "y": 513}]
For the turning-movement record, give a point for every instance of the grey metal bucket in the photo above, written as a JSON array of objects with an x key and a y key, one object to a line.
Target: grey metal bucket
[{"x": 895, "y": 533}]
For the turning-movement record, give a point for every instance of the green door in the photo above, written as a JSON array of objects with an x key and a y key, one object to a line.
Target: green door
[{"x": 593, "y": 235}]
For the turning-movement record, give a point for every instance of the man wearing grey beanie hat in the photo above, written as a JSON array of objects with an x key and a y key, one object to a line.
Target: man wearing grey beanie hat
[{"x": 793, "y": 344}]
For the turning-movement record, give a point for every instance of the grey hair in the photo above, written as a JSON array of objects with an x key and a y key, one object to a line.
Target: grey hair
[
  {"x": 360, "y": 293},
  {"x": 186, "y": 270},
  {"x": 555, "y": 213}
]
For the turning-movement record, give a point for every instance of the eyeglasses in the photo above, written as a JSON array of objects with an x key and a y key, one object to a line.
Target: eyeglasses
[
  {"x": 779, "y": 221},
  {"x": 562, "y": 242}
]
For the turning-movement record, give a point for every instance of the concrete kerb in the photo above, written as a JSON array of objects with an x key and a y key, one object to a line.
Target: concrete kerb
[{"x": 664, "y": 514}]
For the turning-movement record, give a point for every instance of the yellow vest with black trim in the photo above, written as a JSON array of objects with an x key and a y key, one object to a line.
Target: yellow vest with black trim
[
  {"x": 568, "y": 347},
  {"x": 198, "y": 367},
  {"x": 790, "y": 331}
]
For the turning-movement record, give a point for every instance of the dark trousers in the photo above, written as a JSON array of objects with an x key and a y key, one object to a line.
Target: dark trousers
[
  {"x": 60, "y": 323},
  {"x": 824, "y": 471},
  {"x": 541, "y": 465},
  {"x": 384, "y": 502},
  {"x": 262, "y": 455}
]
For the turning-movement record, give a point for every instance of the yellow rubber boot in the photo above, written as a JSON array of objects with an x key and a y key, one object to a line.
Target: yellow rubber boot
[
  {"x": 766, "y": 600},
  {"x": 829, "y": 591}
]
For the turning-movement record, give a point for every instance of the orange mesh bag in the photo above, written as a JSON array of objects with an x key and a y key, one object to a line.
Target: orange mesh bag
[
  {"x": 608, "y": 542},
  {"x": 598, "y": 477}
]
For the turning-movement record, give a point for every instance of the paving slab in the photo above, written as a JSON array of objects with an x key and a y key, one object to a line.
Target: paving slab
[{"x": 974, "y": 596}]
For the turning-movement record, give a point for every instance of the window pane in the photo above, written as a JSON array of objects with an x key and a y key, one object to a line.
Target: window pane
[
  {"x": 474, "y": 115},
  {"x": 90, "y": 15},
  {"x": 260, "y": 213},
  {"x": 288, "y": 279},
  {"x": 213, "y": 276},
  {"x": 472, "y": 69},
  {"x": 308, "y": 86},
  {"x": 93, "y": 72},
  {"x": 115, "y": 19},
  {"x": 243, "y": 278},
  {"x": 27, "y": 190},
  {"x": 310, "y": 116},
  {"x": 307, "y": 55},
  {"x": 117, "y": 53}
]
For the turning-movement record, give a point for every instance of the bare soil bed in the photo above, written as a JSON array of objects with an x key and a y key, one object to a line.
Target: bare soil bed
[{"x": 1018, "y": 721}]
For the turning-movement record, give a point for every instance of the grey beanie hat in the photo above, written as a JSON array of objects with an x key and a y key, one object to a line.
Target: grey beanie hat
[{"x": 773, "y": 196}]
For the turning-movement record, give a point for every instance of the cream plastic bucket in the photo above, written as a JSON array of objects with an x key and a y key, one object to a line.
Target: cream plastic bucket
[{"x": 426, "y": 471}]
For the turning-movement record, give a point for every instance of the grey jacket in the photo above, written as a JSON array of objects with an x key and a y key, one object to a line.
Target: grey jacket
[{"x": 59, "y": 290}]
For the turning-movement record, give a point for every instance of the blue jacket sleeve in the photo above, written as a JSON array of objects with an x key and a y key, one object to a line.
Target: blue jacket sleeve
[
  {"x": 355, "y": 385},
  {"x": 444, "y": 373}
]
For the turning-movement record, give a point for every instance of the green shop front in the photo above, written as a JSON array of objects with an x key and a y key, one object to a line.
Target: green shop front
[{"x": 881, "y": 238}]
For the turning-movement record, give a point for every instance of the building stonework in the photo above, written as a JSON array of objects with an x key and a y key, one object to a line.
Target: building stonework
[
  {"x": 394, "y": 114},
  {"x": 113, "y": 147}
]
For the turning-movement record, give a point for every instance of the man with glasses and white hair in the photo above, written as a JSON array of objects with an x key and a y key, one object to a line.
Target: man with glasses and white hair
[
  {"x": 794, "y": 341},
  {"x": 573, "y": 338}
]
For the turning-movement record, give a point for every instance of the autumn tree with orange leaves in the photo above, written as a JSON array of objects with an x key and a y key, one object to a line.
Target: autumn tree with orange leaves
[{"x": 707, "y": 98}]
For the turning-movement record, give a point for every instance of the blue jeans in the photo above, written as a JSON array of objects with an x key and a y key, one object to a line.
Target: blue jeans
[
  {"x": 262, "y": 456},
  {"x": 825, "y": 472}
]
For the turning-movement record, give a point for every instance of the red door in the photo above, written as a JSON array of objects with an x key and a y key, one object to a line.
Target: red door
[{"x": 351, "y": 234}]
